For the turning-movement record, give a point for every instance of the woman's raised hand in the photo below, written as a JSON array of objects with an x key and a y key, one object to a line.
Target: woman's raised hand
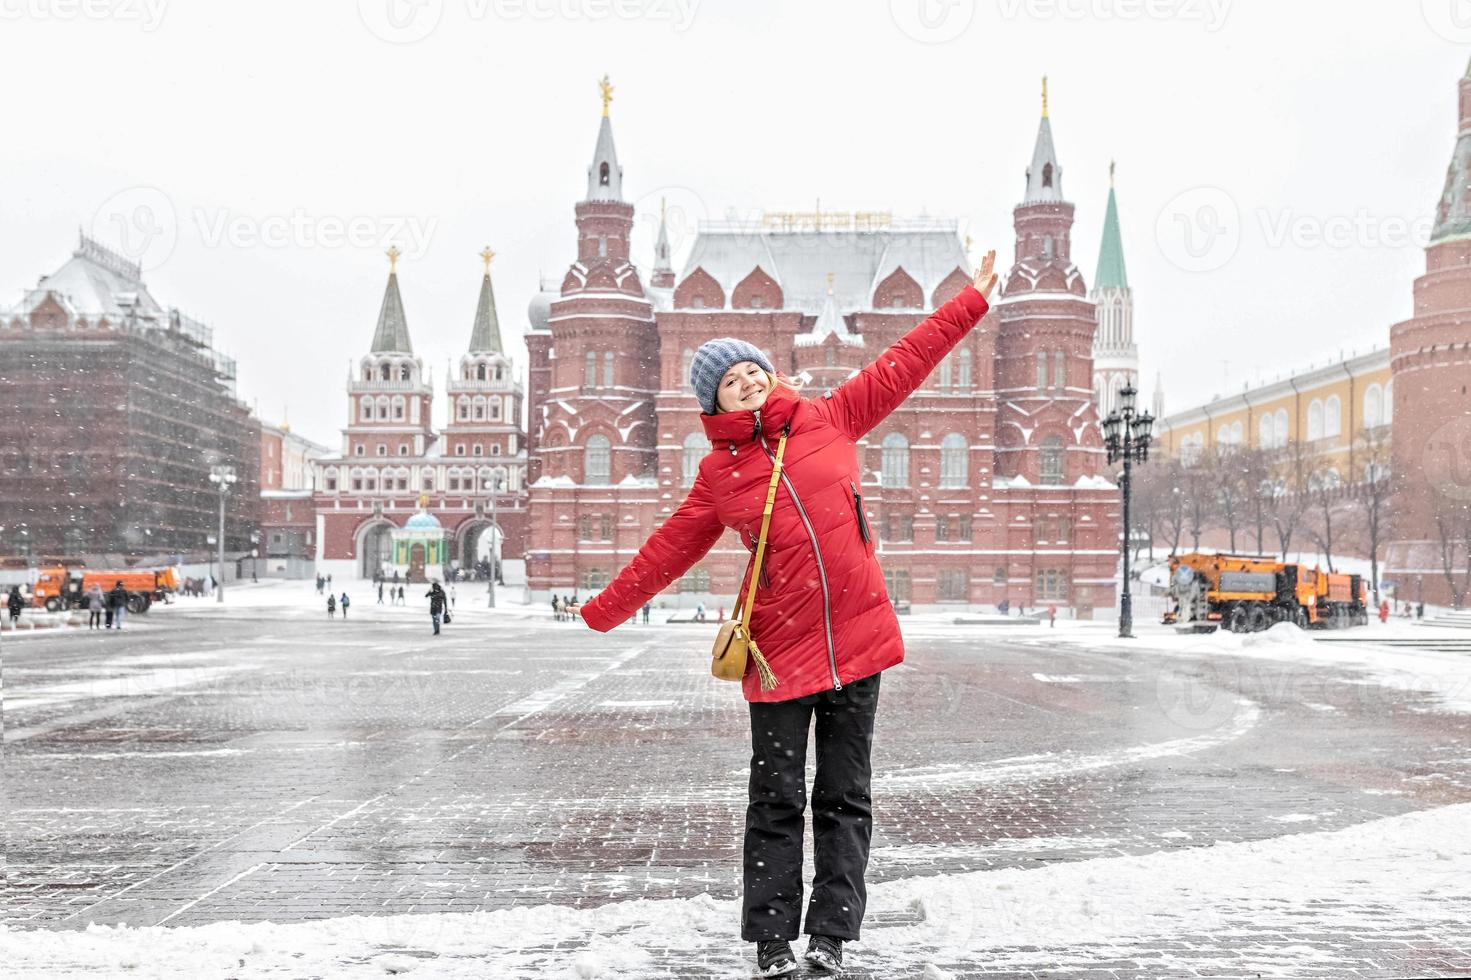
[{"x": 986, "y": 275}]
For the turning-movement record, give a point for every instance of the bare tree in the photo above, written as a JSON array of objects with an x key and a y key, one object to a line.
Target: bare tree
[
  {"x": 1199, "y": 484},
  {"x": 1324, "y": 487},
  {"x": 1255, "y": 469},
  {"x": 1284, "y": 497},
  {"x": 1372, "y": 493},
  {"x": 1173, "y": 510},
  {"x": 1453, "y": 535},
  {"x": 1230, "y": 497}
]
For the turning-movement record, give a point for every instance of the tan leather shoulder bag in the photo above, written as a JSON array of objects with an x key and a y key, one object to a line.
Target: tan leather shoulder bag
[{"x": 734, "y": 644}]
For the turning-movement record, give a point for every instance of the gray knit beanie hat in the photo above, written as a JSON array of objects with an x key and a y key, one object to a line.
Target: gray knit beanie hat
[{"x": 713, "y": 359}]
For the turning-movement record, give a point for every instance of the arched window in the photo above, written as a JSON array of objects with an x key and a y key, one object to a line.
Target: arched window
[
  {"x": 1052, "y": 467},
  {"x": 602, "y": 246},
  {"x": 495, "y": 409},
  {"x": 608, "y": 369},
  {"x": 687, "y": 360},
  {"x": 945, "y": 372},
  {"x": 1279, "y": 423},
  {"x": 367, "y": 372},
  {"x": 1265, "y": 438},
  {"x": 896, "y": 460},
  {"x": 1236, "y": 433},
  {"x": 1046, "y": 175},
  {"x": 962, "y": 361},
  {"x": 1041, "y": 371},
  {"x": 1332, "y": 417},
  {"x": 1223, "y": 435},
  {"x": 479, "y": 404},
  {"x": 695, "y": 448},
  {"x": 590, "y": 373},
  {"x": 403, "y": 372},
  {"x": 384, "y": 372},
  {"x": 603, "y": 174},
  {"x": 500, "y": 372},
  {"x": 1315, "y": 420},
  {"x": 1059, "y": 370},
  {"x": 596, "y": 460},
  {"x": 463, "y": 408},
  {"x": 1373, "y": 407},
  {"x": 594, "y": 579},
  {"x": 1046, "y": 246},
  {"x": 954, "y": 461},
  {"x": 480, "y": 371},
  {"x": 382, "y": 406},
  {"x": 366, "y": 412},
  {"x": 398, "y": 406}
]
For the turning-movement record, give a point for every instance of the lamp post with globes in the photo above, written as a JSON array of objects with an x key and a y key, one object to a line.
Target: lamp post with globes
[
  {"x": 223, "y": 477},
  {"x": 495, "y": 488},
  {"x": 1126, "y": 436}
]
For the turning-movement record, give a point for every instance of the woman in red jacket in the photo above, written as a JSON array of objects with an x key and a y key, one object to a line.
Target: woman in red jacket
[{"x": 822, "y": 614}]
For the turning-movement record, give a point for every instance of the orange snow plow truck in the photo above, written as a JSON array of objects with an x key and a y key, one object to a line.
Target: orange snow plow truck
[
  {"x": 60, "y": 588},
  {"x": 1249, "y": 593}
]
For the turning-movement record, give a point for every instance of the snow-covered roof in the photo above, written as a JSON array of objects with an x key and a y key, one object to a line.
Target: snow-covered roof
[
  {"x": 97, "y": 282},
  {"x": 801, "y": 261}
]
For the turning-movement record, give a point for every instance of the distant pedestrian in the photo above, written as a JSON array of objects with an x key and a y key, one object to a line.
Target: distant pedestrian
[
  {"x": 1052, "y": 615},
  {"x": 329, "y": 582},
  {"x": 556, "y": 610},
  {"x": 1004, "y": 607},
  {"x": 648, "y": 607},
  {"x": 1383, "y": 610},
  {"x": 15, "y": 604},
  {"x": 119, "y": 599},
  {"x": 1420, "y": 609},
  {"x": 380, "y": 593},
  {"x": 451, "y": 596},
  {"x": 436, "y": 605},
  {"x": 699, "y": 612},
  {"x": 401, "y": 600},
  {"x": 331, "y": 606},
  {"x": 96, "y": 603},
  {"x": 395, "y": 576},
  {"x": 345, "y": 603}
]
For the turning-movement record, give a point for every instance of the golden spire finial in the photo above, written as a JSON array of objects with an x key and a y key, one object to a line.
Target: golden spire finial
[
  {"x": 606, "y": 87},
  {"x": 1110, "y": 173},
  {"x": 486, "y": 255},
  {"x": 393, "y": 253},
  {"x": 423, "y": 501},
  {"x": 1044, "y": 96}
]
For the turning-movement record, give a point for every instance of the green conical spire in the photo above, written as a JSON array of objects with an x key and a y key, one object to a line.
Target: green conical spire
[
  {"x": 392, "y": 334},
  {"x": 1111, "y": 252},
  {"x": 486, "y": 334}
]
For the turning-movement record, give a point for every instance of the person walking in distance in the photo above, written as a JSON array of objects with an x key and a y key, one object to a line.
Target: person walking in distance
[
  {"x": 331, "y": 606},
  {"x": 380, "y": 593},
  {"x": 436, "y": 604},
  {"x": 648, "y": 608},
  {"x": 14, "y": 603},
  {"x": 345, "y": 603},
  {"x": 119, "y": 599},
  {"x": 821, "y": 614},
  {"x": 96, "y": 603},
  {"x": 452, "y": 595},
  {"x": 1052, "y": 615}
]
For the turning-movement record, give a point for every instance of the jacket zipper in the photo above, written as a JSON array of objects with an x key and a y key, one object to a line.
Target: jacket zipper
[
  {"x": 827, "y": 606},
  {"x": 858, "y": 506}
]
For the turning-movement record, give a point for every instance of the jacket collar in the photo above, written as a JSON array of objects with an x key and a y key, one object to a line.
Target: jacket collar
[{"x": 739, "y": 428}]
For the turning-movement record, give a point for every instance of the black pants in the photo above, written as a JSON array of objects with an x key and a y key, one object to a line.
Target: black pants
[{"x": 842, "y": 816}]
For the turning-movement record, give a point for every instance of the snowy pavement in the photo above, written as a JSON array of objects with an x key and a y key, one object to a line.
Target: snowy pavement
[{"x": 248, "y": 789}]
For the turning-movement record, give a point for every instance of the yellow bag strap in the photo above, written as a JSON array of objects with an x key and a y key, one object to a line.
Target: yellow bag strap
[{"x": 781, "y": 449}]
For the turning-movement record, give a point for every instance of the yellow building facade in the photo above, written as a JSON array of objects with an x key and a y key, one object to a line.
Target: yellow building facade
[{"x": 1325, "y": 410}]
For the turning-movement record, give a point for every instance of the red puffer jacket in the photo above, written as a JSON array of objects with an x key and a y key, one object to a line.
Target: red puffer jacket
[{"x": 822, "y": 615}]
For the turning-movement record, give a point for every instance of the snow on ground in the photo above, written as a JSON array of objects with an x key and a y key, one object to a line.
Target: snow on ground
[{"x": 1402, "y": 871}]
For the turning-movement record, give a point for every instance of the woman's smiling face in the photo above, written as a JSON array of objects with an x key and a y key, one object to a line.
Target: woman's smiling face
[{"x": 743, "y": 388}]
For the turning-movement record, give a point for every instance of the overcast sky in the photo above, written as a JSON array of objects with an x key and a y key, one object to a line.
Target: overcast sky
[{"x": 1278, "y": 163}]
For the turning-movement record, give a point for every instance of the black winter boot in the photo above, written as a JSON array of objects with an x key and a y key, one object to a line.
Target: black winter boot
[
  {"x": 774, "y": 958},
  {"x": 825, "y": 955}
]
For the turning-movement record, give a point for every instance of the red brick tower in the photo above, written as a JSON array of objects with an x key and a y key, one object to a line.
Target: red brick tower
[
  {"x": 1428, "y": 402},
  {"x": 597, "y": 443},
  {"x": 1048, "y": 442},
  {"x": 390, "y": 395}
]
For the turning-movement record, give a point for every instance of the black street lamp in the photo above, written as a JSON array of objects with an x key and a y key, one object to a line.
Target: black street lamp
[{"x": 1126, "y": 435}]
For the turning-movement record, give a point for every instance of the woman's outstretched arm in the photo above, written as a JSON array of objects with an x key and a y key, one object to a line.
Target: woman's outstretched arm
[
  {"x": 682, "y": 540},
  {"x": 867, "y": 398}
]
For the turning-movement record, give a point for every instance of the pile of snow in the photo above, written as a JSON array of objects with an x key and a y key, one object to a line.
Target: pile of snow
[{"x": 1406, "y": 872}]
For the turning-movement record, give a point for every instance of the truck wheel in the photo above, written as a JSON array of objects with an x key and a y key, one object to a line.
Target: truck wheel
[
  {"x": 1257, "y": 619},
  {"x": 136, "y": 603},
  {"x": 1300, "y": 618},
  {"x": 1236, "y": 619},
  {"x": 53, "y": 604}
]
